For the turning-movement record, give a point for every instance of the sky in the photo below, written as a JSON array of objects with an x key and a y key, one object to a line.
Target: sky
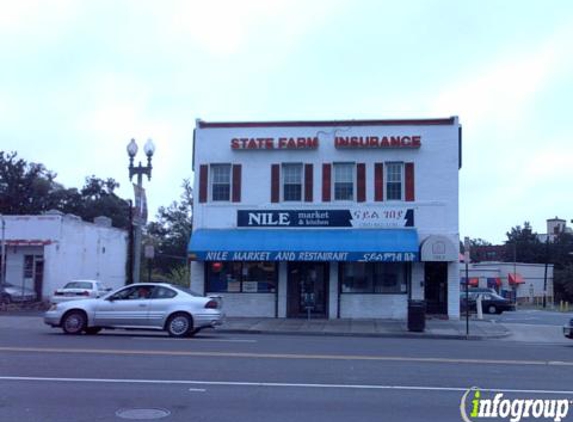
[{"x": 79, "y": 79}]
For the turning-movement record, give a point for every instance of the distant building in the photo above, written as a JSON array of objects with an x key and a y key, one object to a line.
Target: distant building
[
  {"x": 555, "y": 227},
  {"x": 523, "y": 282},
  {"x": 43, "y": 252},
  {"x": 489, "y": 253}
]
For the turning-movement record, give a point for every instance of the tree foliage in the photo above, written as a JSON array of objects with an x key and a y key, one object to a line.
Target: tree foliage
[
  {"x": 523, "y": 245},
  {"x": 563, "y": 282},
  {"x": 171, "y": 231},
  {"x": 29, "y": 188},
  {"x": 24, "y": 187}
]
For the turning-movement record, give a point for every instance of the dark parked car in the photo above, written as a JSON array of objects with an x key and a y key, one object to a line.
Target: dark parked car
[
  {"x": 491, "y": 303},
  {"x": 568, "y": 329},
  {"x": 4, "y": 296}
]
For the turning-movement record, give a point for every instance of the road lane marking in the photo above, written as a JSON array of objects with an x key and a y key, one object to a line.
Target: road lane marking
[
  {"x": 280, "y": 385},
  {"x": 195, "y": 340},
  {"x": 293, "y": 356}
]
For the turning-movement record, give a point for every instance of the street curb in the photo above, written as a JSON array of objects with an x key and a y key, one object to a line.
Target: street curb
[
  {"x": 398, "y": 335},
  {"x": 428, "y": 336}
]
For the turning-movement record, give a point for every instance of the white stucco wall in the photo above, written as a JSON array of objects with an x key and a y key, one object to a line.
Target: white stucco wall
[
  {"x": 72, "y": 249},
  {"x": 436, "y": 171},
  {"x": 373, "y": 306}
]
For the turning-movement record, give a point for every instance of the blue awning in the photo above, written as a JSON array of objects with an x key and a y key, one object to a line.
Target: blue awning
[{"x": 387, "y": 245}]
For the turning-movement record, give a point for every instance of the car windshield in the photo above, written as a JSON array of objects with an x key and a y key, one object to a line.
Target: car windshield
[
  {"x": 186, "y": 290},
  {"x": 78, "y": 285}
]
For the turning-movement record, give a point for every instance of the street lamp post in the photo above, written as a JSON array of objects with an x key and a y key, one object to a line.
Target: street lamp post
[{"x": 139, "y": 171}]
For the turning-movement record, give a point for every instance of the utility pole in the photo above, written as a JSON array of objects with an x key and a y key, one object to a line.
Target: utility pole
[
  {"x": 3, "y": 253},
  {"x": 545, "y": 273},
  {"x": 467, "y": 260}
]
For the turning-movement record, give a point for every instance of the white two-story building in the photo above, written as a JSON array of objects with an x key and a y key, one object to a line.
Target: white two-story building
[{"x": 332, "y": 219}]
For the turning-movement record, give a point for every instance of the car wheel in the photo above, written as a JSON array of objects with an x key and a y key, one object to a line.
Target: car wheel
[
  {"x": 74, "y": 322},
  {"x": 179, "y": 325},
  {"x": 92, "y": 330},
  {"x": 491, "y": 309}
]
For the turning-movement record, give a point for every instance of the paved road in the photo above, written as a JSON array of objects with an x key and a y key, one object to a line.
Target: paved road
[
  {"x": 533, "y": 317},
  {"x": 48, "y": 376},
  {"x": 534, "y": 326}
]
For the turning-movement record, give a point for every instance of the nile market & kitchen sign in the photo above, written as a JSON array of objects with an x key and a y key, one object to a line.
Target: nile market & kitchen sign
[{"x": 355, "y": 218}]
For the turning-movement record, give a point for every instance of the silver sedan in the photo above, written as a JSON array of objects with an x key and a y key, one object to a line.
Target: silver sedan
[{"x": 146, "y": 306}]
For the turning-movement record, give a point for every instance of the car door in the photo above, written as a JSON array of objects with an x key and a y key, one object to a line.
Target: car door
[
  {"x": 161, "y": 305},
  {"x": 125, "y": 308}
]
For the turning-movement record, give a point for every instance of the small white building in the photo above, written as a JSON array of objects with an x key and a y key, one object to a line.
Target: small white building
[
  {"x": 43, "y": 252},
  {"x": 334, "y": 219},
  {"x": 526, "y": 283},
  {"x": 555, "y": 227}
]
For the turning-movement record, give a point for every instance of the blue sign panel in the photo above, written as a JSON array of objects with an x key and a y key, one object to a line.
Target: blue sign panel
[{"x": 307, "y": 256}]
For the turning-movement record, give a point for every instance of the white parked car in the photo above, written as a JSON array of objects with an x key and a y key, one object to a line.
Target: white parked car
[
  {"x": 10, "y": 293},
  {"x": 146, "y": 306},
  {"x": 80, "y": 289}
]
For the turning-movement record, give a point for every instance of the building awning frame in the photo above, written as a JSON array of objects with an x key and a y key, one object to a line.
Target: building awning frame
[{"x": 363, "y": 245}]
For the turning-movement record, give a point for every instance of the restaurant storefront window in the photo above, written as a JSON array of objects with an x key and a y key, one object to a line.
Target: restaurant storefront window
[
  {"x": 241, "y": 277},
  {"x": 374, "y": 277}
]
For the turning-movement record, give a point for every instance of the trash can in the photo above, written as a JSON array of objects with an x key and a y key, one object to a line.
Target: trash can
[{"x": 416, "y": 315}]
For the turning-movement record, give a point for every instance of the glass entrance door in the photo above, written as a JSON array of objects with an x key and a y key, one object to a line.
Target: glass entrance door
[{"x": 307, "y": 289}]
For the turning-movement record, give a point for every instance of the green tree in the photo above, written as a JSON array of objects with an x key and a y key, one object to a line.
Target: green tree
[
  {"x": 523, "y": 245},
  {"x": 97, "y": 198},
  {"x": 29, "y": 188},
  {"x": 563, "y": 283},
  {"x": 24, "y": 187},
  {"x": 171, "y": 231},
  {"x": 560, "y": 253}
]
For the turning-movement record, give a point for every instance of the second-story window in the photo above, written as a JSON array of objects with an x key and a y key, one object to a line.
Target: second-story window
[
  {"x": 292, "y": 182},
  {"x": 344, "y": 181},
  {"x": 394, "y": 181},
  {"x": 221, "y": 182}
]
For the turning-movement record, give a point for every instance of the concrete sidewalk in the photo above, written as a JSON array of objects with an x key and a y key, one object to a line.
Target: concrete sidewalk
[{"x": 435, "y": 328}]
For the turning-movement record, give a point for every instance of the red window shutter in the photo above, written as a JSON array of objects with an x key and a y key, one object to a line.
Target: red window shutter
[
  {"x": 378, "y": 182},
  {"x": 203, "y": 182},
  {"x": 308, "y": 185},
  {"x": 275, "y": 183},
  {"x": 237, "y": 182},
  {"x": 361, "y": 182},
  {"x": 410, "y": 182},
  {"x": 326, "y": 182}
]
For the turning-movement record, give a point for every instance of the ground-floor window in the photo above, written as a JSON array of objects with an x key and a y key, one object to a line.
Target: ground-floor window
[
  {"x": 241, "y": 277},
  {"x": 374, "y": 277}
]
